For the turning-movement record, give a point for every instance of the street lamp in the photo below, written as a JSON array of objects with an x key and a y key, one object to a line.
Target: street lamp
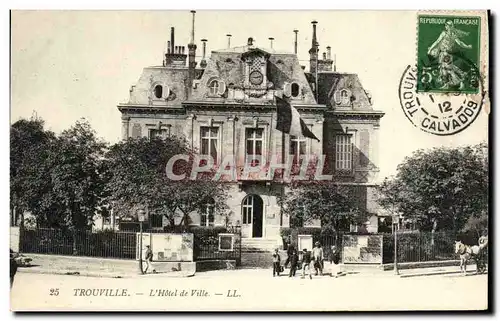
[
  {"x": 141, "y": 216},
  {"x": 395, "y": 224}
]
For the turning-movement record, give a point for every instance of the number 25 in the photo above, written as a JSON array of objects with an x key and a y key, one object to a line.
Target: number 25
[{"x": 54, "y": 292}]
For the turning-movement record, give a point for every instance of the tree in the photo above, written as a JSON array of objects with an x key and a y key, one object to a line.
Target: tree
[
  {"x": 78, "y": 176},
  {"x": 334, "y": 205},
  {"x": 29, "y": 143},
  {"x": 477, "y": 224},
  {"x": 440, "y": 188},
  {"x": 138, "y": 179}
]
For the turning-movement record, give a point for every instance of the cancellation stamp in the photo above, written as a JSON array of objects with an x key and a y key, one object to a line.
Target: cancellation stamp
[
  {"x": 448, "y": 54},
  {"x": 437, "y": 114}
]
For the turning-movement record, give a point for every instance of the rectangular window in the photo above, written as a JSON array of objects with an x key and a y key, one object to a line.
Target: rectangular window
[
  {"x": 158, "y": 133},
  {"x": 343, "y": 152},
  {"x": 106, "y": 220},
  {"x": 209, "y": 142},
  {"x": 298, "y": 146},
  {"x": 207, "y": 215},
  {"x": 156, "y": 220},
  {"x": 254, "y": 144}
]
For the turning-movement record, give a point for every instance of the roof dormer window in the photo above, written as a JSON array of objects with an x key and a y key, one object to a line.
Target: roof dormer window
[
  {"x": 158, "y": 90},
  {"x": 214, "y": 87},
  {"x": 343, "y": 97}
]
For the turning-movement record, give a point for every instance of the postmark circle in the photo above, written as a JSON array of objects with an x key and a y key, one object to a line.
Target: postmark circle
[{"x": 437, "y": 113}]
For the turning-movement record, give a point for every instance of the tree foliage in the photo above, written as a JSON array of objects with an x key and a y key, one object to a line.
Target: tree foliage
[
  {"x": 439, "y": 188},
  {"x": 334, "y": 205},
  {"x": 29, "y": 145},
  {"x": 59, "y": 180},
  {"x": 77, "y": 174},
  {"x": 138, "y": 179}
]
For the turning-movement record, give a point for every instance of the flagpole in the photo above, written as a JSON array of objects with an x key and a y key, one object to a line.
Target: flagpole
[{"x": 282, "y": 176}]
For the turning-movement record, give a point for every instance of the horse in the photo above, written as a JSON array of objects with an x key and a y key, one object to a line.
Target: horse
[{"x": 466, "y": 253}]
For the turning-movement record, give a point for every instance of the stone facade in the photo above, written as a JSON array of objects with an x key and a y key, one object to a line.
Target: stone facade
[{"x": 231, "y": 99}]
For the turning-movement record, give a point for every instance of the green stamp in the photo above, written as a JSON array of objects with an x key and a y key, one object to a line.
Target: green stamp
[{"x": 448, "y": 54}]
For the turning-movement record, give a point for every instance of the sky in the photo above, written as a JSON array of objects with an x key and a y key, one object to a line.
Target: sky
[{"x": 66, "y": 65}]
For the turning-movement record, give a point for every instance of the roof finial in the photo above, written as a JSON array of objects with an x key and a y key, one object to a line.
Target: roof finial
[{"x": 295, "y": 44}]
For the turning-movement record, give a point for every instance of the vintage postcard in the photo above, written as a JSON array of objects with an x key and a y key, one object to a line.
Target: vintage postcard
[{"x": 249, "y": 160}]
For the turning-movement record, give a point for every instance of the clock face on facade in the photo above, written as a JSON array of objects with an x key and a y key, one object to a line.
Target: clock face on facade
[{"x": 256, "y": 78}]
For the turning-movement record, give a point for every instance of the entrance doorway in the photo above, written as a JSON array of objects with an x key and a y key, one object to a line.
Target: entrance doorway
[{"x": 252, "y": 215}]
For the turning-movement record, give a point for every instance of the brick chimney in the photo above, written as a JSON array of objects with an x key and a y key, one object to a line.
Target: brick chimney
[
  {"x": 326, "y": 63},
  {"x": 174, "y": 57}
]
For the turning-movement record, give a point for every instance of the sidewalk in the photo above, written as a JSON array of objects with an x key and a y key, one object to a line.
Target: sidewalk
[
  {"x": 90, "y": 266},
  {"x": 116, "y": 268}
]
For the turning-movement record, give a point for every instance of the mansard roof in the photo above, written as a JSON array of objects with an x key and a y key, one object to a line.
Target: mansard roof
[
  {"x": 331, "y": 83},
  {"x": 228, "y": 65}
]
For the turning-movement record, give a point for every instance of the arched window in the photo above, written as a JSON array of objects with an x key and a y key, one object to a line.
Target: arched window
[
  {"x": 295, "y": 89},
  {"x": 214, "y": 87},
  {"x": 158, "y": 91},
  {"x": 208, "y": 213},
  {"x": 344, "y": 97},
  {"x": 247, "y": 209}
]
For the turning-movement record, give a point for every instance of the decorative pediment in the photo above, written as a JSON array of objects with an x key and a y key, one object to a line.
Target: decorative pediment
[{"x": 255, "y": 52}]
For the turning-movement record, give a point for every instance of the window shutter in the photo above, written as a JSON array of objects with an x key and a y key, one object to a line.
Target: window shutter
[
  {"x": 222, "y": 87},
  {"x": 336, "y": 97},
  {"x": 287, "y": 89},
  {"x": 166, "y": 92},
  {"x": 364, "y": 150}
]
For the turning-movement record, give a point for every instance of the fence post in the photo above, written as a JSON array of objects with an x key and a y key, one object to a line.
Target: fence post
[{"x": 395, "y": 225}]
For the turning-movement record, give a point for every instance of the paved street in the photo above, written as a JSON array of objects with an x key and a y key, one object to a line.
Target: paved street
[{"x": 243, "y": 290}]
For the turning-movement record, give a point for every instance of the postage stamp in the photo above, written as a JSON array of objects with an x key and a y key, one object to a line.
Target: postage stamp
[{"x": 448, "y": 53}]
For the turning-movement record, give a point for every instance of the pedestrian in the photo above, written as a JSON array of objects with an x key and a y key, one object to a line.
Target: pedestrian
[
  {"x": 483, "y": 247},
  {"x": 317, "y": 254},
  {"x": 294, "y": 259},
  {"x": 289, "y": 252},
  {"x": 13, "y": 267},
  {"x": 306, "y": 263},
  {"x": 334, "y": 260},
  {"x": 276, "y": 263},
  {"x": 483, "y": 240},
  {"x": 149, "y": 260}
]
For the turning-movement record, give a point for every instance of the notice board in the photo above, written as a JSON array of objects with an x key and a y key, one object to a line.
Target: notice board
[
  {"x": 167, "y": 247},
  {"x": 359, "y": 249}
]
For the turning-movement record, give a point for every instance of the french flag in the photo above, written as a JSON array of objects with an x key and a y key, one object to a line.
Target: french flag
[{"x": 290, "y": 122}]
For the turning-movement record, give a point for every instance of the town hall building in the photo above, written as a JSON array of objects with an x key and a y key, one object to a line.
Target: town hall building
[{"x": 225, "y": 105}]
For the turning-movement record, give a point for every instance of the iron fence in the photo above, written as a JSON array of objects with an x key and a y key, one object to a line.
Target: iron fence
[
  {"x": 122, "y": 245},
  {"x": 423, "y": 246},
  {"x": 209, "y": 244}
]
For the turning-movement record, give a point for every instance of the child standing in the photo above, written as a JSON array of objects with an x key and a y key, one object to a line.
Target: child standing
[
  {"x": 276, "y": 263},
  {"x": 294, "y": 259}
]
